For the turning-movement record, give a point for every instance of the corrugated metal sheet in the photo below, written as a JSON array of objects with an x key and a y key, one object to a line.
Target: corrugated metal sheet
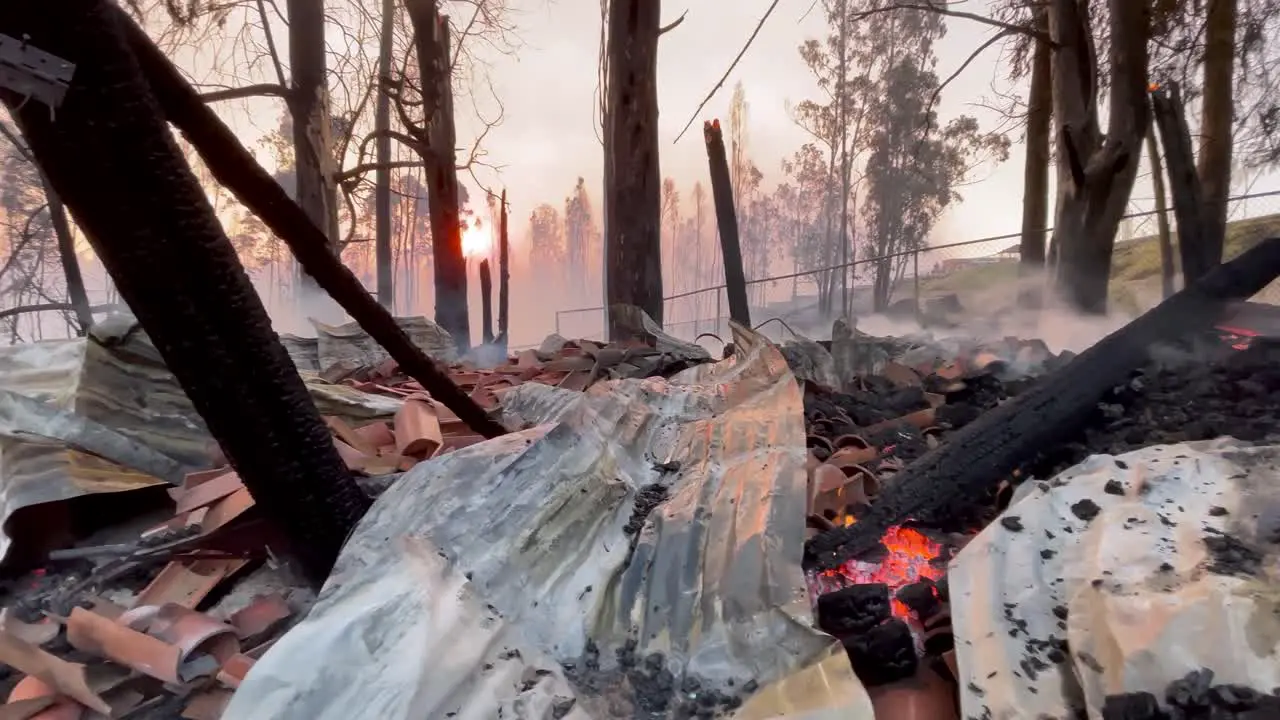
[
  {"x": 1128, "y": 599},
  {"x": 536, "y": 521}
]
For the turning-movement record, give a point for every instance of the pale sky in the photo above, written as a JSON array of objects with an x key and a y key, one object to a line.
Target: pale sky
[
  {"x": 548, "y": 137},
  {"x": 548, "y": 140}
]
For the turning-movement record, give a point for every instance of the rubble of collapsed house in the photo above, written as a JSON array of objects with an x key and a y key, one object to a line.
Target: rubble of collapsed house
[{"x": 636, "y": 547}]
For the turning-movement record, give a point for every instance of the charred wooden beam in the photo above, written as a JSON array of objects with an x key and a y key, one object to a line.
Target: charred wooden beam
[
  {"x": 735, "y": 280},
  {"x": 234, "y": 167},
  {"x": 944, "y": 484}
]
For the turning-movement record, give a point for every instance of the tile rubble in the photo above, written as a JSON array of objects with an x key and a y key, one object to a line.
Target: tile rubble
[
  {"x": 169, "y": 658},
  {"x": 65, "y": 650}
]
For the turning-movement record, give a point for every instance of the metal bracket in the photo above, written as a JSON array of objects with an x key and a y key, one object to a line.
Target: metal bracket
[{"x": 32, "y": 72}]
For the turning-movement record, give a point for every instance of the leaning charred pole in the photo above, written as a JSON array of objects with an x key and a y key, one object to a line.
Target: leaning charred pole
[
  {"x": 234, "y": 167},
  {"x": 431, "y": 41},
  {"x": 735, "y": 280},
  {"x": 1196, "y": 249},
  {"x": 111, "y": 158},
  {"x": 944, "y": 485}
]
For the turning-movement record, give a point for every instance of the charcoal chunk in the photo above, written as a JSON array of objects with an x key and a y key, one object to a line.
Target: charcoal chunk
[
  {"x": 1192, "y": 691},
  {"x": 920, "y": 598},
  {"x": 853, "y": 610},
  {"x": 1132, "y": 706},
  {"x": 883, "y": 655}
]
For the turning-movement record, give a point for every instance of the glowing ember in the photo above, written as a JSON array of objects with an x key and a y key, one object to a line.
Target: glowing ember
[
  {"x": 476, "y": 240},
  {"x": 906, "y": 561}
]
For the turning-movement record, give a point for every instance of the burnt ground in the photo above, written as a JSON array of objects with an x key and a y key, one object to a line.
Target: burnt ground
[
  {"x": 1197, "y": 390},
  {"x": 1194, "y": 392}
]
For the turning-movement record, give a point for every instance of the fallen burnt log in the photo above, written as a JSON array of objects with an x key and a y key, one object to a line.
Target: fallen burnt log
[{"x": 942, "y": 488}]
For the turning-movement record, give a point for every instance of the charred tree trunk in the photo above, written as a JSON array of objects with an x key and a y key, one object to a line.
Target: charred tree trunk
[
  {"x": 632, "y": 183},
  {"x": 486, "y": 304},
  {"x": 504, "y": 272},
  {"x": 735, "y": 280},
  {"x": 1163, "y": 235},
  {"x": 382, "y": 177},
  {"x": 1035, "y": 198},
  {"x": 76, "y": 294},
  {"x": 309, "y": 108},
  {"x": 1095, "y": 172},
  {"x": 110, "y": 155},
  {"x": 1198, "y": 255},
  {"x": 431, "y": 40},
  {"x": 234, "y": 167},
  {"x": 1216, "y": 123}
]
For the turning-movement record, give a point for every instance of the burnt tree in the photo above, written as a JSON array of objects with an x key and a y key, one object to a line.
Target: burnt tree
[
  {"x": 504, "y": 272},
  {"x": 1096, "y": 171},
  {"x": 1035, "y": 199},
  {"x": 76, "y": 294},
  {"x": 308, "y": 101},
  {"x": 1217, "y": 118},
  {"x": 109, "y": 156},
  {"x": 382, "y": 176},
  {"x": 431, "y": 43},
  {"x": 632, "y": 182},
  {"x": 486, "y": 303}
]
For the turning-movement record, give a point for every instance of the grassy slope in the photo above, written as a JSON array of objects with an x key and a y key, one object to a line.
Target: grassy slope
[{"x": 1135, "y": 269}]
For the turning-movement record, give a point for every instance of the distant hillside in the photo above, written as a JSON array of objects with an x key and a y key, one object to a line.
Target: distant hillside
[{"x": 1135, "y": 268}]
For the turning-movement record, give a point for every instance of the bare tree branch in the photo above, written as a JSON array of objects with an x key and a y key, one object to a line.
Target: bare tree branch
[
  {"x": 675, "y": 24},
  {"x": 51, "y": 307},
  {"x": 239, "y": 93},
  {"x": 732, "y": 65},
  {"x": 364, "y": 168},
  {"x": 941, "y": 9}
]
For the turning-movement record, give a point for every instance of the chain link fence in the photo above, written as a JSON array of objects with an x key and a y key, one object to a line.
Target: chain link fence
[{"x": 979, "y": 275}]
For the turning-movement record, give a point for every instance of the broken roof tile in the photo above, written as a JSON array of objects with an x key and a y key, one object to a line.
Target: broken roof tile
[
  {"x": 417, "y": 428},
  {"x": 64, "y": 677}
]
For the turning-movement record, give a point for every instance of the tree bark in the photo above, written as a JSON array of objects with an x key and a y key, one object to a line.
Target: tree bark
[
  {"x": 309, "y": 108},
  {"x": 1095, "y": 171},
  {"x": 1217, "y": 121},
  {"x": 382, "y": 176},
  {"x": 110, "y": 157},
  {"x": 1035, "y": 197},
  {"x": 76, "y": 294},
  {"x": 504, "y": 272},
  {"x": 234, "y": 167},
  {"x": 1163, "y": 235},
  {"x": 632, "y": 182},
  {"x": 735, "y": 280},
  {"x": 431, "y": 40}
]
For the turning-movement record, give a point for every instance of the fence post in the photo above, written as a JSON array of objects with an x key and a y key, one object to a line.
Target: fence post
[{"x": 557, "y": 322}]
